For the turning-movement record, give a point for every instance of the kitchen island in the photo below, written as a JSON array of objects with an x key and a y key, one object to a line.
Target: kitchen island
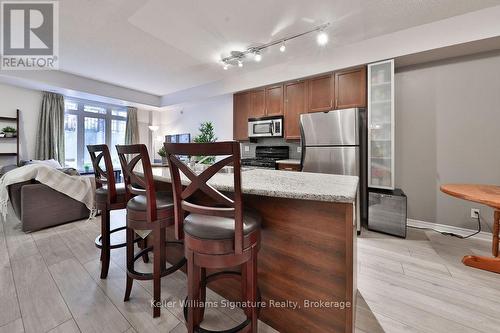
[{"x": 307, "y": 260}]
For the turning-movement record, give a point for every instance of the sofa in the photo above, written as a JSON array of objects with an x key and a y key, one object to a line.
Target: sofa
[{"x": 38, "y": 206}]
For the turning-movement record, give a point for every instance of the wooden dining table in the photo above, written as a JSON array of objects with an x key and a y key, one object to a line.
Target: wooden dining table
[{"x": 488, "y": 195}]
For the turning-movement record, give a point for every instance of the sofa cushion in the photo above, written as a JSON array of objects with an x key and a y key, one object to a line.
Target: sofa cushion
[{"x": 6, "y": 168}]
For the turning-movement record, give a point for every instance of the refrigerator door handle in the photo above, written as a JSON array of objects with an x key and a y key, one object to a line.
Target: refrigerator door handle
[{"x": 302, "y": 146}]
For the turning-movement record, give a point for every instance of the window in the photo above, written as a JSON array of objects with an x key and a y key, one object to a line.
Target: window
[{"x": 89, "y": 123}]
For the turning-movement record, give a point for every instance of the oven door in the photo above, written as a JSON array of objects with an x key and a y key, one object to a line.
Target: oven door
[{"x": 260, "y": 128}]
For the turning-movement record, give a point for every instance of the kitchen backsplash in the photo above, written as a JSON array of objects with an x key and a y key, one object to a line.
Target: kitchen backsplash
[{"x": 248, "y": 148}]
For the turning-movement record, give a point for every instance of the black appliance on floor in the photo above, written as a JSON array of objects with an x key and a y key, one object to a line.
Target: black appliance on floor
[{"x": 387, "y": 211}]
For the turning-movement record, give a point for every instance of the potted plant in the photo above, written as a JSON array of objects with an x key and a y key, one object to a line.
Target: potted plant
[
  {"x": 86, "y": 167},
  {"x": 10, "y": 132},
  {"x": 163, "y": 155},
  {"x": 207, "y": 134}
]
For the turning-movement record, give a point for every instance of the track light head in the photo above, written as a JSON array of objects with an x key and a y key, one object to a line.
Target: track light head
[
  {"x": 322, "y": 38},
  {"x": 283, "y": 47},
  {"x": 257, "y": 56}
]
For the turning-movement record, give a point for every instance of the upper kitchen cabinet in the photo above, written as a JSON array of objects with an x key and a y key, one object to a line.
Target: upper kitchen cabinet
[
  {"x": 242, "y": 103},
  {"x": 350, "y": 88},
  {"x": 258, "y": 108},
  {"x": 295, "y": 105},
  {"x": 381, "y": 125},
  {"x": 274, "y": 100},
  {"x": 321, "y": 93}
]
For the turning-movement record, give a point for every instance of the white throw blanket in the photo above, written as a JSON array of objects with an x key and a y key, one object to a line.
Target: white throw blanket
[{"x": 79, "y": 188}]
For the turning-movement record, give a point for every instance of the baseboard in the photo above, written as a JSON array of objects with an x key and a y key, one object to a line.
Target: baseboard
[{"x": 448, "y": 228}]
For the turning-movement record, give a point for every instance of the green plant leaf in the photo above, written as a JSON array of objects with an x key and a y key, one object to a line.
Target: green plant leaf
[
  {"x": 9, "y": 129},
  {"x": 207, "y": 135},
  {"x": 162, "y": 152}
]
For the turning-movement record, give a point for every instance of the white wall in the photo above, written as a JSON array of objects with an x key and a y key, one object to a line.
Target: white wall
[
  {"x": 187, "y": 119},
  {"x": 29, "y": 103},
  {"x": 447, "y": 131}
]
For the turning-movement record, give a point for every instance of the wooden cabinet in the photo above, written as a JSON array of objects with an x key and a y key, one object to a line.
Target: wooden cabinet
[
  {"x": 242, "y": 103},
  {"x": 350, "y": 88},
  {"x": 288, "y": 166},
  {"x": 274, "y": 100},
  {"x": 321, "y": 93},
  {"x": 295, "y": 105},
  {"x": 258, "y": 108}
]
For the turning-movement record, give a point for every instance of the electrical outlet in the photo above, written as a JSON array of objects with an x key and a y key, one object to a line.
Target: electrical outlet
[
  {"x": 474, "y": 213},
  {"x": 247, "y": 149},
  {"x": 299, "y": 149}
]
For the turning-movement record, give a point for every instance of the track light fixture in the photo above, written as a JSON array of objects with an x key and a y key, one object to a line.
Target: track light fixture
[{"x": 237, "y": 57}]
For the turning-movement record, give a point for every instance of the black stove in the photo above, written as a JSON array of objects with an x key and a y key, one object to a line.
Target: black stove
[{"x": 266, "y": 156}]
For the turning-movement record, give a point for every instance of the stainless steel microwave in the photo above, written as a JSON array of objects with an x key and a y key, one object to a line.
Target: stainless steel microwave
[{"x": 265, "y": 127}]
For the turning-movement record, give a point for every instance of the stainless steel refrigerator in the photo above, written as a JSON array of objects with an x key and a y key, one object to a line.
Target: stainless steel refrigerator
[{"x": 335, "y": 142}]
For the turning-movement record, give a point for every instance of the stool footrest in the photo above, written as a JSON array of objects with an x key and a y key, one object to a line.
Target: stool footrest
[
  {"x": 235, "y": 329},
  {"x": 213, "y": 277},
  {"x": 98, "y": 240},
  {"x": 149, "y": 276}
]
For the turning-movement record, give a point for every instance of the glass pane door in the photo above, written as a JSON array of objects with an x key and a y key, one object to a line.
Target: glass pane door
[
  {"x": 71, "y": 140},
  {"x": 95, "y": 133},
  {"x": 117, "y": 138},
  {"x": 381, "y": 125}
]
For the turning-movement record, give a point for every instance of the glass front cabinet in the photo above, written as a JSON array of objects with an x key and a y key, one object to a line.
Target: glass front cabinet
[{"x": 381, "y": 125}]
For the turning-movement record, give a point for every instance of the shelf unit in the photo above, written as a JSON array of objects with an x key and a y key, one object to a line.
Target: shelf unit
[
  {"x": 16, "y": 138},
  {"x": 381, "y": 125}
]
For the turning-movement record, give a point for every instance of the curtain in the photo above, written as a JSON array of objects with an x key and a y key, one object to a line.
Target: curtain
[
  {"x": 50, "y": 137},
  {"x": 132, "y": 127}
]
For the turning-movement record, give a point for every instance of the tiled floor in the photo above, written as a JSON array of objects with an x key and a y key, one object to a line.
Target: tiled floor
[{"x": 49, "y": 282}]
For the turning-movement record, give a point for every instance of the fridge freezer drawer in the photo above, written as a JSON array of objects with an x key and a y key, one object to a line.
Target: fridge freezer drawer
[
  {"x": 331, "y": 160},
  {"x": 387, "y": 213}
]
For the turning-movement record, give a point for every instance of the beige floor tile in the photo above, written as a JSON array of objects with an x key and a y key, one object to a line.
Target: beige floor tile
[
  {"x": 15, "y": 326},
  {"x": 66, "y": 327},
  {"x": 91, "y": 308},
  {"x": 42, "y": 306}
]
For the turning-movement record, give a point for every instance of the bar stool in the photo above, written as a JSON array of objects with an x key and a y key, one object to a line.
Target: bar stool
[
  {"x": 148, "y": 210},
  {"x": 109, "y": 196},
  {"x": 218, "y": 235}
]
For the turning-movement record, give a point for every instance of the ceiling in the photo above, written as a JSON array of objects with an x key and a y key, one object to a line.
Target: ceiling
[{"x": 164, "y": 46}]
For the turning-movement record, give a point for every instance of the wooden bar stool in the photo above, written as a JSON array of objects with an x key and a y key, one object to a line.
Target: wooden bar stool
[
  {"x": 148, "y": 210},
  {"x": 109, "y": 196},
  {"x": 217, "y": 233}
]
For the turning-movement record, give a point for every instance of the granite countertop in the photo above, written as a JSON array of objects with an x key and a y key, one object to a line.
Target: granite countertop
[
  {"x": 290, "y": 161},
  {"x": 281, "y": 184}
]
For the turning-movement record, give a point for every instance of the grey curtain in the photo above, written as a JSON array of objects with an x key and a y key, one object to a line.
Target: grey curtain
[
  {"x": 132, "y": 127},
  {"x": 50, "y": 138}
]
